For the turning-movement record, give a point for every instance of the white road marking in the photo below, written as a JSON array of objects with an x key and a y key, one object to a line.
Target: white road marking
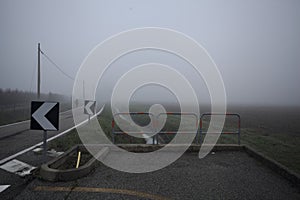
[
  {"x": 48, "y": 140},
  {"x": 13, "y": 124}
]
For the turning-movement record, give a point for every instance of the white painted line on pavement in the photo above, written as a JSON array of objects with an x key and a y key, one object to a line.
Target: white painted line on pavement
[
  {"x": 70, "y": 110},
  {"x": 12, "y": 124},
  {"x": 3, "y": 187},
  {"x": 48, "y": 140},
  {"x": 6, "y": 125}
]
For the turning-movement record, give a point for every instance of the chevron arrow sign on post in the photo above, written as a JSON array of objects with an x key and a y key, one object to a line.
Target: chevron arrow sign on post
[
  {"x": 44, "y": 115},
  {"x": 89, "y": 107}
]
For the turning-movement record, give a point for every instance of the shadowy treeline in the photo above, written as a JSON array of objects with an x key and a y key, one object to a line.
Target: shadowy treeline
[
  {"x": 18, "y": 97},
  {"x": 15, "y": 104}
]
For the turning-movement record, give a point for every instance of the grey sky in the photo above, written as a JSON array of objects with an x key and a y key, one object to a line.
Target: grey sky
[{"x": 255, "y": 43}]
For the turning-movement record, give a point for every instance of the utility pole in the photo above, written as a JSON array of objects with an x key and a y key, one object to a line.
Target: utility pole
[{"x": 39, "y": 73}]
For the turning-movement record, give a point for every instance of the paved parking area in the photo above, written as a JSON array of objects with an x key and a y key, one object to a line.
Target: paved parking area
[{"x": 223, "y": 175}]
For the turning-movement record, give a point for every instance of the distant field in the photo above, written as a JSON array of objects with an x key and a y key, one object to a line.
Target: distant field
[
  {"x": 271, "y": 131},
  {"x": 274, "y": 131},
  {"x": 15, "y": 104},
  {"x": 12, "y": 114}
]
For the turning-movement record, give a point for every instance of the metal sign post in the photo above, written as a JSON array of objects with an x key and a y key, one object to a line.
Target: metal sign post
[{"x": 45, "y": 146}]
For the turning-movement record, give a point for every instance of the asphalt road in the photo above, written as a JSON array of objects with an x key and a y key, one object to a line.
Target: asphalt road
[
  {"x": 223, "y": 175},
  {"x": 18, "y": 136}
]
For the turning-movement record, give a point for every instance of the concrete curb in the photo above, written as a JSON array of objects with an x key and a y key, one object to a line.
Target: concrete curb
[
  {"x": 274, "y": 165},
  {"x": 50, "y": 172}
]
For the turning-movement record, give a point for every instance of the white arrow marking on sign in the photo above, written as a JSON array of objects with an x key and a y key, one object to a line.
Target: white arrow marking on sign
[
  {"x": 88, "y": 107},
  {"x": 3, "y": 187},
  {"x": 39, "y": 116}
]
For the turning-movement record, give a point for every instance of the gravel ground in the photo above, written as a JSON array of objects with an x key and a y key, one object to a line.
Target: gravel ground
[{"x": 223, "y": 175}]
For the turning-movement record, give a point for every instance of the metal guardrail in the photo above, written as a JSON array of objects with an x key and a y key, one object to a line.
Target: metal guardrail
[
  {"x": 178, "y": 114},
  {"x": 199, "y": 131},
  {"x": 114, "y": 133},
  {"x": 238, "y": 132}
]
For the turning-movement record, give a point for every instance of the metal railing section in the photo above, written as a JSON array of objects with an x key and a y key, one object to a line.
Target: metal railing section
[
  {"x": 114, "y": 132},
  {"x": 199, "y": 132},
  {"x": 238, "y": 132}
]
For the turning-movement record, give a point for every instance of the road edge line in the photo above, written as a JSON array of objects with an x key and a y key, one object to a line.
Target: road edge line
[{"x": 4, "y": 160}]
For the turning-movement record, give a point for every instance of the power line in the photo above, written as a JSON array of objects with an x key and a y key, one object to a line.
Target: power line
[{"x": 56, "y": 66}]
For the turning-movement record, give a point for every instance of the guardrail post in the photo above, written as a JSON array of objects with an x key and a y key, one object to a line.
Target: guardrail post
[{"x": 200, "y": 131}]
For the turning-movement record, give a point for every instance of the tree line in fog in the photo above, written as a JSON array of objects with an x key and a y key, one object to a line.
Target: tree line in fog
[{"x": 10, "y": 96}]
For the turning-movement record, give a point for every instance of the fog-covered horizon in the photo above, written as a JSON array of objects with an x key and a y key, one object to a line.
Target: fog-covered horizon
[{"x": 255, "y": 45}]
